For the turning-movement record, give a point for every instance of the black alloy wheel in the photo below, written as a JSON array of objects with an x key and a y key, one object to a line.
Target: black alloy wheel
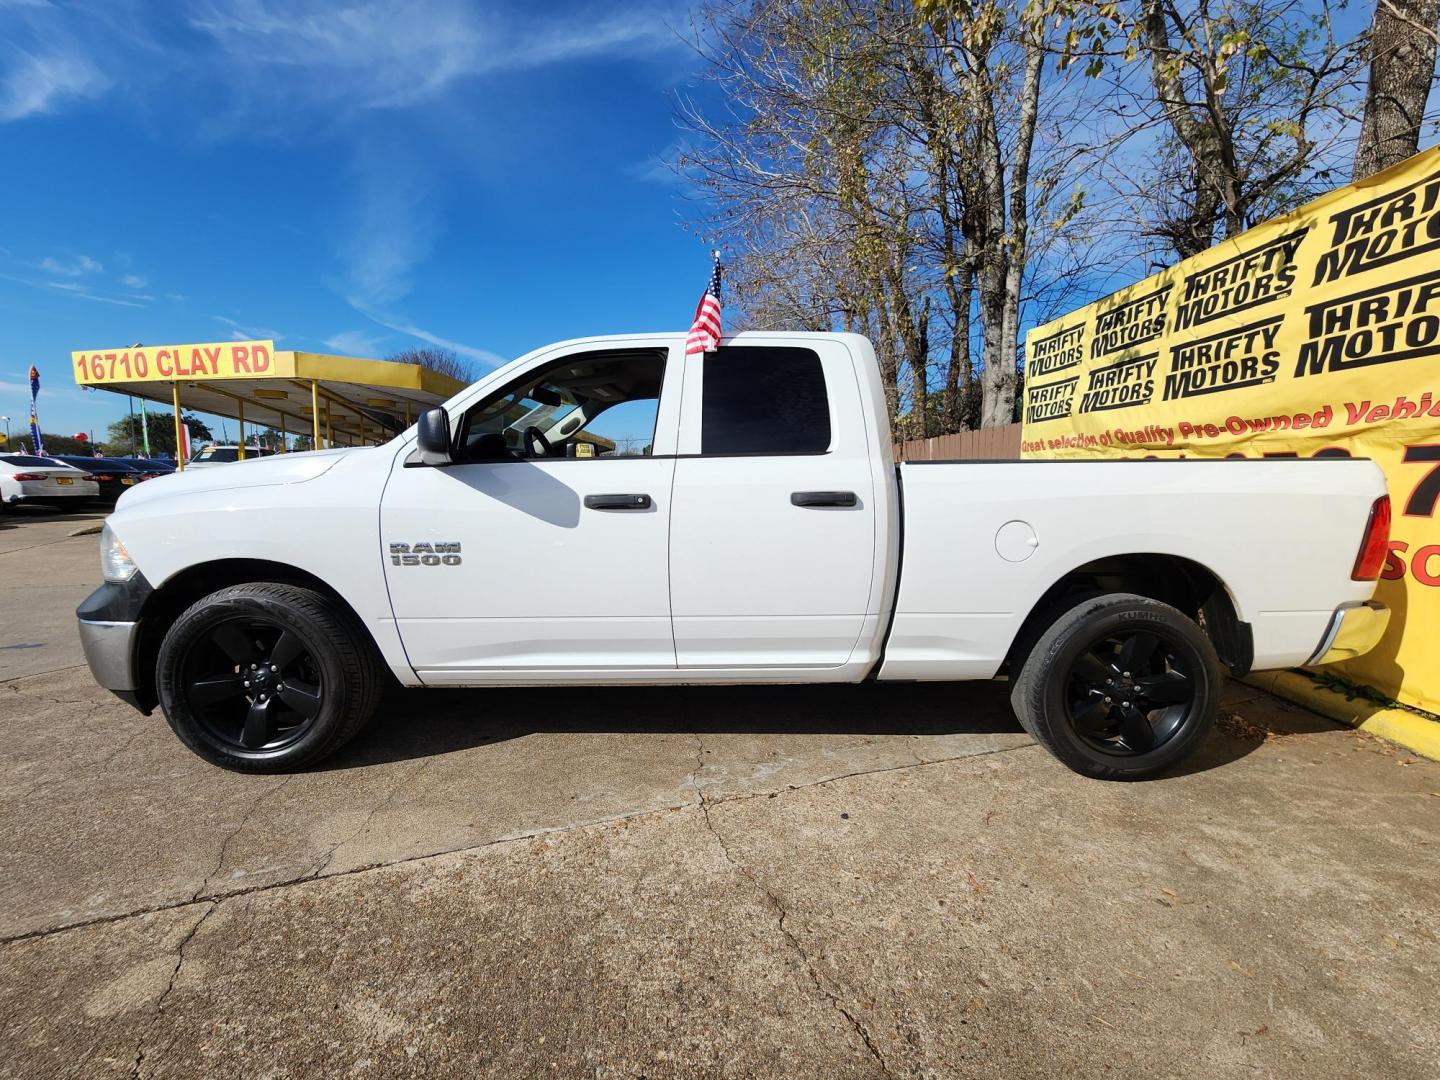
[
  {"x": 253, "y": 684},
  {"x": 1129, "y": 693},
  {"x": 267, "y": 676},
  {"x": 1118, "y": 686}
]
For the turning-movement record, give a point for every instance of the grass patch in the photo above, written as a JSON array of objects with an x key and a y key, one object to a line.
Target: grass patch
[{"x": 1354, "y": 691}]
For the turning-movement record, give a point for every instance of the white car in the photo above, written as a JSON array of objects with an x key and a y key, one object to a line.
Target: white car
[
  {"x": 31, "y": 479},
  {"x": 754, "y": 530},
  {"x": 211, "y": 456}
]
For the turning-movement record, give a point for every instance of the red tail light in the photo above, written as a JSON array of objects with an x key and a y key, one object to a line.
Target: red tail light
[
  {"x": 1376, "y": 544},
  {"x": 30, "y": 476},
  {"x": 101, "y": 476}
]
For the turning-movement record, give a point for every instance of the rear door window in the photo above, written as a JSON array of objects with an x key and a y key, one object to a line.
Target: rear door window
[{"x": 764, "y": 400}]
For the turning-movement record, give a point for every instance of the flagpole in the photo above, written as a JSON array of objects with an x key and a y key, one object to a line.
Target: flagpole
[{"x": 179, "y": 439}]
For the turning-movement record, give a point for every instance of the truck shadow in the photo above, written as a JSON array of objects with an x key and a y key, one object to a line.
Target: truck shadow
[{"x": 424, "y": 723}]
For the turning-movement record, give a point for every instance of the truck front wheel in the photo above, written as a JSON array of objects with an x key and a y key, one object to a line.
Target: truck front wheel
[
  {"x": 1120, "y": 687},
  {"x": 267, "y": 677}
]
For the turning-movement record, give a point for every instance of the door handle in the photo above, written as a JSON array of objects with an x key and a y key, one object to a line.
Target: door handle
[
  {"x": 617, "y": 502},
  {"x": 823, "y": 498}
]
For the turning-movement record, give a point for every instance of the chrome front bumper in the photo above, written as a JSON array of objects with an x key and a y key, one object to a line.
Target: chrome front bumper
[
  {"x": 1353, "y": 630},
  {"x": 110, "y": 652}
]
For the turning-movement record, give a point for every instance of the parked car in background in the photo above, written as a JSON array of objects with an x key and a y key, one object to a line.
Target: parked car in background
[
  {"x": 27, "y": 478},
  {"x": 151, "y": 467},
  {"x": 223, "y": 455},
  {"x": 113, "y": 476}
]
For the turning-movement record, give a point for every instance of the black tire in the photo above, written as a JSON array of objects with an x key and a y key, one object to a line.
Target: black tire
[
  {"x": 1092, "y": 685},
  {"x": 244, "y": 709}
]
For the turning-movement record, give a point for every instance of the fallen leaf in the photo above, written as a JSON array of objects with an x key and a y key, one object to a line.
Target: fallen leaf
[{"x": 1241, "y": 970}]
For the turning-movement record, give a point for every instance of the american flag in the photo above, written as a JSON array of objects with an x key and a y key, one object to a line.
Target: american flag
[{"x": 705, "y": 330}]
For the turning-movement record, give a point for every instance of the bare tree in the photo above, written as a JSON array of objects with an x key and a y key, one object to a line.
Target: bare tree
[
  {"x": 1402, "y": 50},
  {"x": 995, "y": 54},
  {"x": 873, "y": 166},
  {"x": 442, "y": 360},
  {"x": 1254, "y": 94}
]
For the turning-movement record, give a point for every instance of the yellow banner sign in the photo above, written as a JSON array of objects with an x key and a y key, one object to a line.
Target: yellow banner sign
[
  {"x": 1315, "y": 334},
  {"x": 165, "y": 363}
]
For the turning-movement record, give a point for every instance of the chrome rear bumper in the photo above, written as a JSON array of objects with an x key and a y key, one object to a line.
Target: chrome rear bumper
[{"x": 1353, "y": 630}]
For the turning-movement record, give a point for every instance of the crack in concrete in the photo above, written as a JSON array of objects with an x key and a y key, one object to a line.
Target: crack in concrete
[
  {"x": 76, "y": 776},
  {"x": 383, "y": 804},
  {"x": 10, "y": 680},
  {"x": 169, "y": 986},
  {"x": 461, "y": 849},
  {"x": 773, "y": 901},
  {"x": 225, "y": 844},
  {"x": 48, "y": 543}
]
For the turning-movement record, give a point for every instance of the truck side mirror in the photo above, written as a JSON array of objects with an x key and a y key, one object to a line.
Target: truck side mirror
[{"x": 433, "y": 438}]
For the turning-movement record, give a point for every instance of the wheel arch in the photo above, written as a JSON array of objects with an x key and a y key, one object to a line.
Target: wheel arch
[
  {"x": 164, "y": 605},
  {"x": 1187, "y": 585}
]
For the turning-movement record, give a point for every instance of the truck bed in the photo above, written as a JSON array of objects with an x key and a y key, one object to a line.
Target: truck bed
[{"x": 983, "y": 542}]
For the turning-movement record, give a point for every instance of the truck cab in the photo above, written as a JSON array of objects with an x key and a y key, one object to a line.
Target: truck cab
[{"x": 742, "y": 524}]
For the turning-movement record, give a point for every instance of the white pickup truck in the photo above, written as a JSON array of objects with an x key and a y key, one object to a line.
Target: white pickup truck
[{"x": 610, "y": 510}]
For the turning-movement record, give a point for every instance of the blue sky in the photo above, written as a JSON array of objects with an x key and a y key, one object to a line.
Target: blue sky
[{"x": 353, "y": 177}]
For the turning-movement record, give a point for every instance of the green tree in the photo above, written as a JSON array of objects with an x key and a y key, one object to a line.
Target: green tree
[
  {"x": 124, "y": 436},
  {"x": 54, "y": 444}
]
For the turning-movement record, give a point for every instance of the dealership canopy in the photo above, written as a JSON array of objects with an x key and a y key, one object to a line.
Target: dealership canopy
[{"x": 337, "y": 400}]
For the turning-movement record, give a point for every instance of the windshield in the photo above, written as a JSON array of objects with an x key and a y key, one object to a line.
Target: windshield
[{"x": 218, "y": 453}]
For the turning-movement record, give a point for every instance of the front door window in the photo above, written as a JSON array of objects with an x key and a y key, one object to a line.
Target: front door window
[{"x": 594, "y": 405}]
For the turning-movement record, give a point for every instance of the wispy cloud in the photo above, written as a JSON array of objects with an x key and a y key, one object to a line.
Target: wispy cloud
[
  {"x": 667, "y": 168},
  {"x": 401, "y": 325},
  {"x": 355, "y": 343},
  {"x": 397, "y": 53},
  {"x": 391, "y": 225},
  {"x": 134, "y": 281},
  {"x": 71, "y": 266},
  {"x": 82, "y": 292},
  {"x": 285, "y": 65},
  {"x": 245, "y": 332},
  {"x": 41, "y": 82},
  {"x": 374, "y": 54}
]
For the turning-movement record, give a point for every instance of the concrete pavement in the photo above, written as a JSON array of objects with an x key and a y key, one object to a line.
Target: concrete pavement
[
  {"x": 872, "y": 881},
  {"x": 44, "y": 573}
]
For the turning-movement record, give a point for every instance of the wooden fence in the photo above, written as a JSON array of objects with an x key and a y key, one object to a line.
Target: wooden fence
[{"x": 993, "y": 443}]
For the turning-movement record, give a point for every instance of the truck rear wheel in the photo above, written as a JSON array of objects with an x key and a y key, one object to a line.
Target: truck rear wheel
[
  {"x": 267, "y": 677},
  {"x": 1119, "y": 687}
]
